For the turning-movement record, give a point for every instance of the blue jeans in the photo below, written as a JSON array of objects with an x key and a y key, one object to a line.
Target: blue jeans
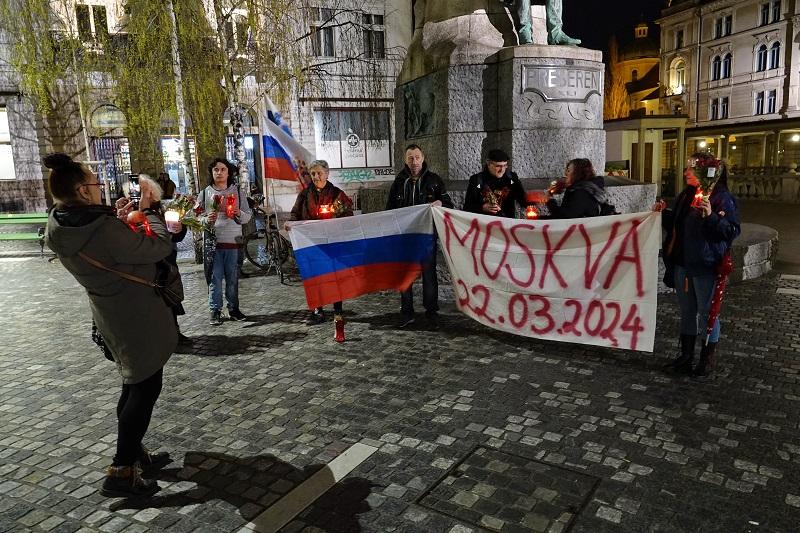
[
  {"x": 694, "y": 299},
  {"x": 226, "y": 264}
]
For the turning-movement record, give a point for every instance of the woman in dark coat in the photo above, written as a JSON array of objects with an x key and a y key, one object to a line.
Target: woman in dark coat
[
  {"x": 136, "y": 324},
  {"x": 584, "y": 193},
  {"x": 318, "y": 202},
  {"x": 699, "y": 233}
]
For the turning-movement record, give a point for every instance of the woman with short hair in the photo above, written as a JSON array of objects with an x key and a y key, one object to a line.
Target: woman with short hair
[
  {"x": 584, "y": 193},
  {"x": 322, "y": 200}
]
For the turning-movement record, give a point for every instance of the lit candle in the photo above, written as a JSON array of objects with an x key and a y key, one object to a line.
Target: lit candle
[
  {"x": 173, "y": 219},
  {"x": 325, "y": 211},
  {"x": 531, "y": 212}
]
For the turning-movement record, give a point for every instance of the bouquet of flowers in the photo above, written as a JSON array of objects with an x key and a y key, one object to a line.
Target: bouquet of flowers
[
  {"x": 341, "y": 209},
  {"x": 707, "y": 171},
  {"x": 495, "y": 198},
  {"x": 183, "y": 204}
]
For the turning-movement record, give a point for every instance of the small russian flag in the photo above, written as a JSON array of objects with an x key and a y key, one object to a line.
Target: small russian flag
[{"x": 284, "y": 157}]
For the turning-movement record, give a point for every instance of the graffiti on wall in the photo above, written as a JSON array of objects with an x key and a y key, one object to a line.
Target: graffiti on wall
[{"x": 361, "y": 175}]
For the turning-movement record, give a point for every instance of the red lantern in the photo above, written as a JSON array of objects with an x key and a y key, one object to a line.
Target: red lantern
[
  {"x": 230, "y": 206},
  {"x": 325, "y": 211},
  {"x": 531, "y": 213}
]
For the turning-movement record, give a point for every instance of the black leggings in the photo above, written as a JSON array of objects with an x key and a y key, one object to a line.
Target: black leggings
[
  {"x": 134, "y": 409},
  {"x": 337, "y": 307}
]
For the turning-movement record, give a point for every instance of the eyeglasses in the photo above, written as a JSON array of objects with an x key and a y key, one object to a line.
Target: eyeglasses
[{"x": 88, "y": 185}]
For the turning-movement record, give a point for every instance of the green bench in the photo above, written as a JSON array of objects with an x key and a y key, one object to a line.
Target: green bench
[{"x": 24, "y": 219}]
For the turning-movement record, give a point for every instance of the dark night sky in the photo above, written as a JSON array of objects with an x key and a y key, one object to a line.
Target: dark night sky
[{"x": 594, "y": 21}]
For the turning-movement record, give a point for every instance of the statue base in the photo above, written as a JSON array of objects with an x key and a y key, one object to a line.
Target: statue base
[{"x": 542, "y": 104}]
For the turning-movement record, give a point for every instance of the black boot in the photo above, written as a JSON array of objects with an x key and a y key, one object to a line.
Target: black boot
[
  {"x": 127, "y": 482},
  {"x": 708, "y": 361},
  {"x": 683, "y": 363}
]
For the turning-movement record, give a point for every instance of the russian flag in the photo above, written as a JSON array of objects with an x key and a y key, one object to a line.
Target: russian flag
[
  {"x": 282, "y": 153},
  {"x": 343, "y": 258}
]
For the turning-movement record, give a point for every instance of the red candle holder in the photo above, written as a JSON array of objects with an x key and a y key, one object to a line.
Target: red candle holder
[
  {"x": 531, "y": 213},
  {"x": 325, "y": 211},
  {"x": 230, "y": 206}
]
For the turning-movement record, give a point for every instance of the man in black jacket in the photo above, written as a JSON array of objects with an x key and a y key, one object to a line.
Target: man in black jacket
[
  {"x": 416, "y": 185},
  {"x": 496, "y": 189}
]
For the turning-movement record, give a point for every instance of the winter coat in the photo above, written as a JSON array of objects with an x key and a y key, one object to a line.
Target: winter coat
[
  {"x": 508, "y": 186},
  {"x": 429, "y": 187},
  {"x": 306, "y": 207},
  {"x": 136, "y": 324},
  {"x": 582, "y": 199},
  {"x": 698, "y": 244}
]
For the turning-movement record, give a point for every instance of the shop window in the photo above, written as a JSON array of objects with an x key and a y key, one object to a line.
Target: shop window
[
  {"x": 353, "y": 138},
  {"x": 7, "y": 171}
]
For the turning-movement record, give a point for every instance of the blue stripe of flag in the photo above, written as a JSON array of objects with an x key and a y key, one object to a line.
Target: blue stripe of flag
[{"x": 328, "y": 258}]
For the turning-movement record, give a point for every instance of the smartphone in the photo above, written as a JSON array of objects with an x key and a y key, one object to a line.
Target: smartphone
[{"x": 134, "y": 189}]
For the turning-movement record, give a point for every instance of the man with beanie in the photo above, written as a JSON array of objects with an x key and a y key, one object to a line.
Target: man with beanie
[{"x": 495, "y": 190}]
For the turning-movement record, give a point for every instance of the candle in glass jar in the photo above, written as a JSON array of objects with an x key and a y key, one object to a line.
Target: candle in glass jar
[
  {"x": 173, "y": 219},
  {"x": 230, "y": 206},
  {"x": 325, "y": 211},
  {"x": 531, "y": 212}
]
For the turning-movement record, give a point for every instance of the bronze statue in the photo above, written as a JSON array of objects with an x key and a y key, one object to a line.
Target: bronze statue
[{"x": 554, "y": 8}]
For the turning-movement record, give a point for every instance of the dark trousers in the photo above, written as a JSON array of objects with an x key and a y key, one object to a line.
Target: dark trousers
[
  {"x": 337, "y": 308},
  {"x": 134, "y": 409},
  {"x": 430, "y": 290}
]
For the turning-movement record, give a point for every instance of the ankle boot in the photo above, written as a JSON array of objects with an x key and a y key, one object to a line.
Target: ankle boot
[
  {"x": 127, "y": 482},
  {"x": 338, "y": 323},
  {"x": 708, "y": 361},
  {"x": 683, "y": 363}
]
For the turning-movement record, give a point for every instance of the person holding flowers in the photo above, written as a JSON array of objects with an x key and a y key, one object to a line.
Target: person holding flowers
[
  {"x": 700, "y": 229},
  {"x": 99, "y": 249},
  {"x": 222, "y": 209},
  {"x": 496, "y": 189},
  {"x": 319, "y": 201},
  {"x": 584, "y": 192}
]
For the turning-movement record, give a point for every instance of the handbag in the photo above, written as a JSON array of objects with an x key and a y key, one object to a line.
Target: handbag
[
  {"x": 167, "y": 284},
  {"x": 98, "y": 339}
]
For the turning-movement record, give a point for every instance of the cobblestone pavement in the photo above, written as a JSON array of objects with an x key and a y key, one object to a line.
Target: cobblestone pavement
[{"x": 476, "y": 430}]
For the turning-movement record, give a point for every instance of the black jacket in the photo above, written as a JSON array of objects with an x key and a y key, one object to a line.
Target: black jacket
[
  {"x": 428, "y": 188},
  {"x": 509, "y": 187},
  {"x": 581, "y": 200}
]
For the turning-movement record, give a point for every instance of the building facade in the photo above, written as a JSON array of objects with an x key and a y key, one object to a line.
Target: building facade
[
  {"x": 344, "y": 115},
  {"x": 733, "y": 68}
]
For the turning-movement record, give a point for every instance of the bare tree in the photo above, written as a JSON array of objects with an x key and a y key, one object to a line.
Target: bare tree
[{"x": 616, "y": 99}]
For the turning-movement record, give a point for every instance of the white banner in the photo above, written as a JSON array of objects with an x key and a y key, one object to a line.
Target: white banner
[{"x": 587, "y": 280}]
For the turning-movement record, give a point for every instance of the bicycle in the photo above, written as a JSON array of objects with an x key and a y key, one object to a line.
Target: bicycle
[{"x": 266, "y": 249}]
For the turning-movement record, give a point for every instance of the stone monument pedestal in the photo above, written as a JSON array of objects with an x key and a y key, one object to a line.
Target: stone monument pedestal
[{"x": 542, "y": 104}]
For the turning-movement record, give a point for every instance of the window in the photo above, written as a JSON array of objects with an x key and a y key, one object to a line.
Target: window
[
  {"x": 374, "y": 41},
  {"x": 678, "y": 84},
  {"x": 353, "y": 138},
  {"x": 776, "y": 11},
  {"x": 323, "y": 39},
  {"x": 759, "y": 103},
  {"x": 772, "y": 96},
  {"x": 775, "y": 55},
  {"x": 726, "y": 66},
  {"x": 728, "y": 24},
  {"x": 718, "y": 28},
  {"x": 764, "y": 20},
  {"x": 679, "y": 39},
  {"x": 715, "y": 109},
  {"x": 237, "y": 33},
  {"x": 634, "y": 75},
  {"x": 723, "y": 108},
  {"x": 716, "y": 65},
  {"x": 92, "y": 23},
  {"x": 6, "y": 155},
  {"x": 761, "y": 58}
]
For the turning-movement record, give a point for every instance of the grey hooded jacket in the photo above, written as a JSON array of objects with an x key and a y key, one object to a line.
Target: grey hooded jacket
[{"x": 136, "y": 324}]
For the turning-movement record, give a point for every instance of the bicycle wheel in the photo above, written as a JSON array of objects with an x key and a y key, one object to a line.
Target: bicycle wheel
[{"x": 255, "y": 250}]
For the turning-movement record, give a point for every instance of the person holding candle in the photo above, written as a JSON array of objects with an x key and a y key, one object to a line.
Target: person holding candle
[
  {"x": 96, "y": 247},
  {"x": 319, "y": 201},
  {"x": 416, "y": 184},
  {"x": 221, "y": 206},
  {"x": 496, "y": 190},
  {"x": 584, "y": 193},
  {"x": 699, "y": 233}
]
